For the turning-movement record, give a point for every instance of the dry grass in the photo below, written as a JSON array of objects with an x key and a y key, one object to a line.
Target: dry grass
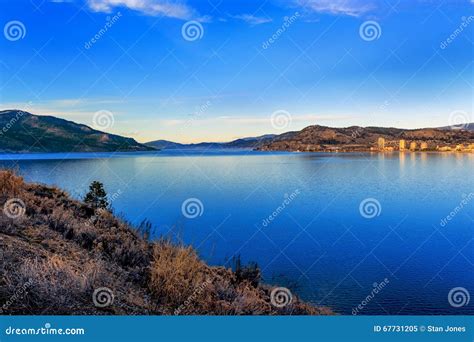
[
  {"x": 66, "y": 250},
  {"x": 10, "y": 184},
  {"x": 174, "y": 273}
]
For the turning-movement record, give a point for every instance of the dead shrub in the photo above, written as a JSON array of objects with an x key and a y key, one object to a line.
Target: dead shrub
[
  {"x": 10, "y": 183},
  {"x": 175, "y": 273},
  {"x": 59, "y": 284}
]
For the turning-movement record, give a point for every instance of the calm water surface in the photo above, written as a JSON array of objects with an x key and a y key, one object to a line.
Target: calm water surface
[{"x": 317, "y": 244}]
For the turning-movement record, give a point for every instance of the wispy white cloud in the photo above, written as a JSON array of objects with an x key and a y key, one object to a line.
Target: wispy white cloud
[
  {"x": 252, "y": 19},
  {"x": 354, "y": 8},
  {"x": 172, "y": 9}
]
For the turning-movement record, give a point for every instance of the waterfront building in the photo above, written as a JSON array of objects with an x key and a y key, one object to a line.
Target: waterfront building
[
  {"x": 402, "y": 145},
  {"x": 381, "y": 143},
  {"x": 413, "y": 146},
  {"x": 423, "y": 146}
]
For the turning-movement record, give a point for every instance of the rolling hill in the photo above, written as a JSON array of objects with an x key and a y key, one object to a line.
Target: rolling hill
[
  {"x": 355, "y": 138},
  {"x": 25, "y": 132}
]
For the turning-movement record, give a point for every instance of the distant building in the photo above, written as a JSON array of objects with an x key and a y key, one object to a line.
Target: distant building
[
  {"x": 423, "y": 146},
  {"x": 459, "y": 147},
  {"x": 381, "y": 143},
  {"x": 413, "y": 146},
  {"x": 402, "y": 145}
]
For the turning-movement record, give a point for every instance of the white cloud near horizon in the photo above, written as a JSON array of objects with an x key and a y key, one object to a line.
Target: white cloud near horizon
[
  {"x": 252, "y": 19},
  {"x": 171, "y": 9},
  {"x": 353, "y": 8}
]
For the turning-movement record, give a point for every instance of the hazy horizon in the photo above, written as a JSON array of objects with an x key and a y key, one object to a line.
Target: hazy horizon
[{"x": 222, "y": 141}]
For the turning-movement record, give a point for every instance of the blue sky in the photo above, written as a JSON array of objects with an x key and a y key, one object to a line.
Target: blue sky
[{"x": 161, "y": 82}]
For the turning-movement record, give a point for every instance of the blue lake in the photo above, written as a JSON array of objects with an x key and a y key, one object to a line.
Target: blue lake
[{"x": 299, "y": 216}]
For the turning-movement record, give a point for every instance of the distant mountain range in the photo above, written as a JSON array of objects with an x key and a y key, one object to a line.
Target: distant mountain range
[
  {"x": 24, "y": 132},
  {"x": 321, "y": 138},
  {"x": 244, "y": 143}
]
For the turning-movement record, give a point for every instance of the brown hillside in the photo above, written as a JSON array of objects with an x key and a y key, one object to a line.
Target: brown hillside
[{"x": 56, "y": 252}]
